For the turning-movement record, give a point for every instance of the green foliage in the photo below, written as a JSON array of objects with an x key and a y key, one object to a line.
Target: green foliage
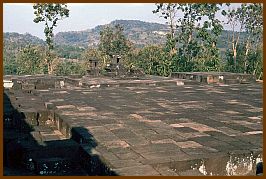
[
  {"x": 130, "y": 60},
  {"x": 139, "y": 32},
  {"x": 195, "y": 40},
  {"x": 152, "y": 59},
  {"x": 93, "y": 53},
  {"x": 113, "y": 41},
  {"x": 14, "y": 44},
  {"x": 245, "y": 55},
  {"x": 148, "y": 59},
  {"x": 10, "y": 67},
  {"x": 68, "y": 51},
  {"x": 255, "y": 63},
  {"x": 70, "y": 68},
  {"x": 30, "y": 61},
  {"x": 251, "y": 63},
  {"x": 49, "y": 13}
]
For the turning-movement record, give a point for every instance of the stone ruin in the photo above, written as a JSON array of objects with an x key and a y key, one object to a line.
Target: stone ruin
[
  {"x": 114, "y": 69},
  {"x": 93, "y": 68},
  {"x": 183, "y": 125}
]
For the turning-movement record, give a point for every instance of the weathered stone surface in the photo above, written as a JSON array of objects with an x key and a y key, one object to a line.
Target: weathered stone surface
[
  {"x": 142, "y": 170},
  {"x": 132, "y": 126}
]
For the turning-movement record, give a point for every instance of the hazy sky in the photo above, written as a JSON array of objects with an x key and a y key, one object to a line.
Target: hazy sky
[{"x": 18, "y": 17}]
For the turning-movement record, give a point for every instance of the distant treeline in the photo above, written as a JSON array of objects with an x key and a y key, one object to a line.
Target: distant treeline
[{"x": 187, "y": 43}]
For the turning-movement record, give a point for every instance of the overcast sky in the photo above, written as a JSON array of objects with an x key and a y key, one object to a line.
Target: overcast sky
[{"x": 18, "y": 17}]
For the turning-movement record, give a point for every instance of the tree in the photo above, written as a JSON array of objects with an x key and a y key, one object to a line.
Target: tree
[
  {"x": 246, "y": 53},
  {"x": 113, "y": 41},
  {"x": 49, "y": 13},
  {"x": 9, "y": 58},
  {"x": 253, "y": 17},
  {"x": 69, "y": 68},
  {"x": 196, "y": 37},
  {"x": 153, "y": 60},
  {"x": 10, "y": 67},
  {"x": 149, "y": 58},
  {"x": 234, "y": 18},
  {"x": 30, "y": 60},
  {"x": 169, "y": 12}
]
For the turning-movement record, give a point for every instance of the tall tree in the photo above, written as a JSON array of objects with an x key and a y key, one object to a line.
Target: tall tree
[
  {"x": 197, "y": 32},
  {"x": 113, "y": 41},
  {"x": 246, "y": 52},
  {"x": 234, "y": 19},
  {"x": 169, "y": 12},
  {"x": 49, "y": 13},
  {"x": 252, "y": 15}
]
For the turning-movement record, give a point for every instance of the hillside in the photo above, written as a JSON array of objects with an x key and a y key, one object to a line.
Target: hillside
[
  {"x": 21, "y": 39},
  {"x": 72, "y": 44},
  {"x": 139, "y": 32},
  {"x": 13, "y": 42}
]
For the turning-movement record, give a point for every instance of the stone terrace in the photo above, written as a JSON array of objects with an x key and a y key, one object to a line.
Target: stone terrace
[{"x": 170, "y": 127}]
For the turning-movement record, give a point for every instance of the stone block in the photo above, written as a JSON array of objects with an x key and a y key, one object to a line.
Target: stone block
[{"x": 26, "y": 86}]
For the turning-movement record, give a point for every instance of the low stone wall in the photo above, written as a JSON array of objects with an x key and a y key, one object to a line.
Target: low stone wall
[
  {"x": 215, "y": 77},
  {"x": 28, "y": 82}
]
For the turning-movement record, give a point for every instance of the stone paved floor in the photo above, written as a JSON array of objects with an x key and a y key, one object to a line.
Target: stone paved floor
[
  {"x": 139, "y": 129},
  {"x": 165, "y": 129}
]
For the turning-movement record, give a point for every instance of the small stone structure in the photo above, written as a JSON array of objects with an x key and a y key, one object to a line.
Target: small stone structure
[
  {"x": 115, "y": 68},
  {"x": 93, "y": 67}
]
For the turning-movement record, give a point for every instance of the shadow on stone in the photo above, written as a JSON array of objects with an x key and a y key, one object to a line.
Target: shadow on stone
[{"x": 32, "y": 150}]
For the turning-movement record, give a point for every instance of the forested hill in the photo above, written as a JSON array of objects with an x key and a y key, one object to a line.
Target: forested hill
[
  {"x": 71, "y": 44},
  {"x": 17, "y": 40},
  {"x": 13, "y": 42},
  {"x": 139, "y": 32}
]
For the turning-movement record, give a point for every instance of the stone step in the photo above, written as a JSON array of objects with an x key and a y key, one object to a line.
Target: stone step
[{"x": 31, "y": 117}]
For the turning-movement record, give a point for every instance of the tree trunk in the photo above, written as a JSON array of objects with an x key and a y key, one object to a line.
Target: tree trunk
[
  {"x": 261, "y": 73},
  {"x": 255, "y": 68},
  {"x": 246, "y": 54},
  {"x": 234, "y": 58},
  {"x": 49, "y": 68}
]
